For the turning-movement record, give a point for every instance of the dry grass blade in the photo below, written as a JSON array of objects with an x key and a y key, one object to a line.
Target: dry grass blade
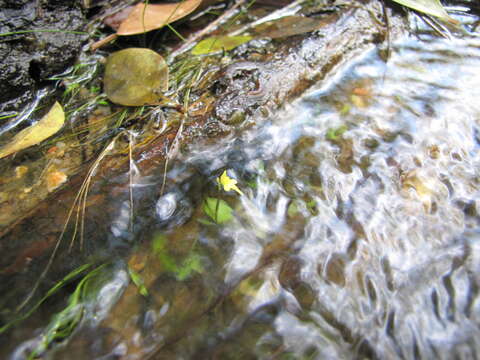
[
  {"x": 79, "y": 204},
  {"x": 147, "y": 17}
]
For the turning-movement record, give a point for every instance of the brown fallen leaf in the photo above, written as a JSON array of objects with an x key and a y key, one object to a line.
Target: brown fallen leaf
[
  {"x": 116, "y": 19},
  {"x": 149, "y": 17},
  {"x": 35, "y": 134},
  {"x": 145, "y": 18}
]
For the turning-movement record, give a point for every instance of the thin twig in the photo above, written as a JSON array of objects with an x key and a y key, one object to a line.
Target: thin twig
[{"x": 102, "y": 42}]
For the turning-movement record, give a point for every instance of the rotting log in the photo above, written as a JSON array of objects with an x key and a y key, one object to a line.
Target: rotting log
[{"x": 252, "y": 86}]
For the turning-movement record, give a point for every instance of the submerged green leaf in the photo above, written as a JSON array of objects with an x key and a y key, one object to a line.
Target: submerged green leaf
[
  {"x": 159, "y": 246},
  {"x": 190, "y": 265},
  {"x": 219, "y": 43},
  {"x": 429, "y": 7},
  {"x": 292, "y": 209},
  {"x": 135, "y": 77},
  {"x": 218, "y": 210}
]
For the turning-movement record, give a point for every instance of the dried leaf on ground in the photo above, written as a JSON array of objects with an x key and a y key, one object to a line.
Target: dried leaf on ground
[
  {"x": 51, "y": 123},
  {"x": 135, "y": 77},
  {"x": 429, "y": 7},
  {"x": 147, "y": 17}
]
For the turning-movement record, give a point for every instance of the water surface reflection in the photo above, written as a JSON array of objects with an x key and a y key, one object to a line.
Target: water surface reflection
[{"x": 355, "y": 237}]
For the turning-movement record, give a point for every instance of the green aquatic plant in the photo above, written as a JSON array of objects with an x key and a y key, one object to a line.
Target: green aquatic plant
[
  {"x": 138, "y": 281},
  {"x": 66, "y": 280},
  {"x": 218, "y": 210},
  {"x": 184, "y": 269},
  {"x": 334, "y": 134},
  {"x": 66, "y": 321}
]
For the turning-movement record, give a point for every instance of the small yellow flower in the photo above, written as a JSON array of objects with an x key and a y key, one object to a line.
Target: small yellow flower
[{"x": 228, "y": 183}]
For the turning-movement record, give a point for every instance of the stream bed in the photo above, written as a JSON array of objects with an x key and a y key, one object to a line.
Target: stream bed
[{"x": 352, "y": 233}]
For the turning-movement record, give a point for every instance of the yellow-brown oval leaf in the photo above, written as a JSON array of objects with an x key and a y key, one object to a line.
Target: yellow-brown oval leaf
[
  {"x": 135, "y": 77},
  {"x": 46, "y": 127}
]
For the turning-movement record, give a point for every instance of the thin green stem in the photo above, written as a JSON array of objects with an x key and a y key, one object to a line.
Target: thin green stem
[{"x": 43, "y": 30}]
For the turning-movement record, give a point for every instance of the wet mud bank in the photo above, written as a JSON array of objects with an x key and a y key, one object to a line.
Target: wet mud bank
[
  {"x": 39, "y": 39},
  {"x": 237, "y": 95}
]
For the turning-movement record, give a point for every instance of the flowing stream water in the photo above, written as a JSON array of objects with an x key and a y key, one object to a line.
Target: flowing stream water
[{"x": 354, "y": 233}]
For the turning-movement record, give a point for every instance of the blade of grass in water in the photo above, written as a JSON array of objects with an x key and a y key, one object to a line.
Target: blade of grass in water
[
  {"x": 50, "y": 292},
  {"x": 66, "y": 321}
]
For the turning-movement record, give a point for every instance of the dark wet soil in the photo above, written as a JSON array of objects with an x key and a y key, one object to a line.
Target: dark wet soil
[{"x": 30, "y": 58}]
